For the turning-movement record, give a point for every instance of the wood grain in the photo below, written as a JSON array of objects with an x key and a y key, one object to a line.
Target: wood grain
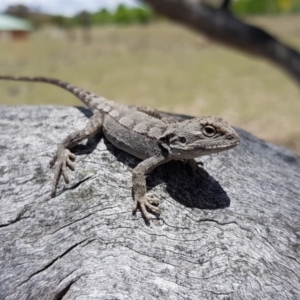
[{"x": 233, "y": 235}]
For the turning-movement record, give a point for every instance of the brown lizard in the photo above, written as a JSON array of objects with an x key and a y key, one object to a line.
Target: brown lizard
[{"x": 142, "y": 133}]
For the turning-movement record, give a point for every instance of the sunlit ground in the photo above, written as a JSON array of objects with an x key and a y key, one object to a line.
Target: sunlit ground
[{"x": 166, "y": 67}]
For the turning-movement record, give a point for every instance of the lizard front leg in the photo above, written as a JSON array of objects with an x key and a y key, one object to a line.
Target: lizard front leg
[
  {"x": 141, "y": 198},
  {"x": 63, "y": 156}
]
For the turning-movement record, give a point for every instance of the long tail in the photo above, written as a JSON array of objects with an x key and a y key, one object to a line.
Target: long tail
[{"x": 85, "y": 96}]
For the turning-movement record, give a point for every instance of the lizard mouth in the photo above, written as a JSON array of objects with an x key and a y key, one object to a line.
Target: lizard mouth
[
  {"x": 221, "y": 147},
  {"x": 216, "y": 148}
]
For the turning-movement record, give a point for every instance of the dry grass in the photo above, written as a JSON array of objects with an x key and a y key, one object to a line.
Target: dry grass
[{"x": 166, "y": 67}]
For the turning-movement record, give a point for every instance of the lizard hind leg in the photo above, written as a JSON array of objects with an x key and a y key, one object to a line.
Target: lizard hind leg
[{"x": 63, "y": 157}]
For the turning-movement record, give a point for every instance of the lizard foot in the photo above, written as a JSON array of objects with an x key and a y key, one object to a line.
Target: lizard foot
[
  {"x": 64, "y": 159},
  {"x": 146, "y": 203},
  {"x": 197, "y": 167}
]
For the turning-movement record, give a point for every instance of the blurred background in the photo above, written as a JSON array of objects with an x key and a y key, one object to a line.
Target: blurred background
[{"x": 125, "y": 52}]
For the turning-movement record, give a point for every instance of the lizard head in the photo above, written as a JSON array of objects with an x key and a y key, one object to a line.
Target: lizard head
[{"x": 197, "y": 137}]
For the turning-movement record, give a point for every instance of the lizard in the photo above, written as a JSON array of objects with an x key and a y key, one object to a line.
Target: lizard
[{"x": 143, "y": 133}]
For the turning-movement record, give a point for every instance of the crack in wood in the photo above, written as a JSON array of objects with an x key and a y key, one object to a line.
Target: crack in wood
[
  {"x": 53, "y": 261},
  {"x": 17, "y": 219}
]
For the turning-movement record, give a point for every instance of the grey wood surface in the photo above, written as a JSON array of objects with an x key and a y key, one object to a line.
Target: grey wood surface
[{"x": 234, "y": 235}]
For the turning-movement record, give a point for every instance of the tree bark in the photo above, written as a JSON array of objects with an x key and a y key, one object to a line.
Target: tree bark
[
  {"x": 221, "y": 26},
  {"x": 233, "y": 235},
  {"x": 225, "y": 4}
]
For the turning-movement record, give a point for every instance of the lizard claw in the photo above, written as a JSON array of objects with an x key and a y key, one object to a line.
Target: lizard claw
[
  {"x": 64, "y": 159},
  {"x": 145, "y": 204},
  {"x": 53, "y": 160}
]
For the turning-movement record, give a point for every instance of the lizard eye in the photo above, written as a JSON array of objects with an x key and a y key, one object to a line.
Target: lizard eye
[
  {"x": 182, "y": 140},
  {"x": 209, "y": 131}
]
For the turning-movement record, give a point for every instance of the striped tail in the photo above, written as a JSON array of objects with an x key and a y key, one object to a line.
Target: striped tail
[{"x": 85, "y": 96}]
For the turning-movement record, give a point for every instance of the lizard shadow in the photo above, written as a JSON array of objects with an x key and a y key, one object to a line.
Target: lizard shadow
[
  {"x": 199, "y": 191},
  {"x": 85, "y": 111}
]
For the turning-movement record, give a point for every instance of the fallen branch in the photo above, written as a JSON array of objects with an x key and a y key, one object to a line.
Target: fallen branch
[{"x": 221, "y": 26}]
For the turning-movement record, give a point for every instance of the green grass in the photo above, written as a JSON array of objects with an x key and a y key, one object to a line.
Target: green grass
[{"x": 166, "y": 67}]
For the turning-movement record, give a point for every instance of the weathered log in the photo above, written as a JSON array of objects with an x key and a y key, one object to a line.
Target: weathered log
[{"x": 233, "y": 235}]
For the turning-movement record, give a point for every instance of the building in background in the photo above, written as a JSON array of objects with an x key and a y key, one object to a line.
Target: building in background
[{"x": 12, "y": 28}]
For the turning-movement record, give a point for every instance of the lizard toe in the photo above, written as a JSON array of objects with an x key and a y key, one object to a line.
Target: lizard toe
[
  {"x": 64, "y": 159},
  {"x": 145, "y": 204},
  {"x": 152, "y": 199}
]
